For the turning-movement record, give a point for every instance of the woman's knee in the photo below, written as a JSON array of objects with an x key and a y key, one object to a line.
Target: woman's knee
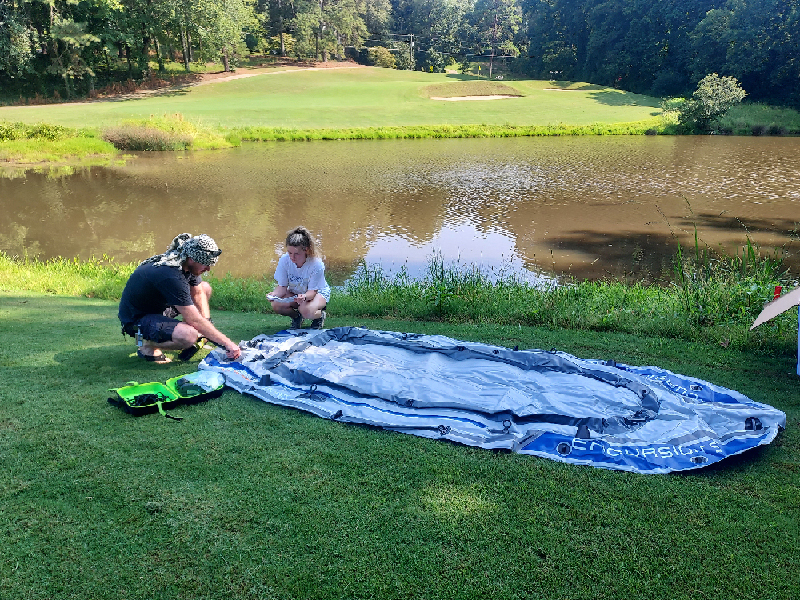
[{"x": 309, "y": 310}]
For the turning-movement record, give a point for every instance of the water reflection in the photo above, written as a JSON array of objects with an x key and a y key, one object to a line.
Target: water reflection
[{"x": 589, "y": 207}]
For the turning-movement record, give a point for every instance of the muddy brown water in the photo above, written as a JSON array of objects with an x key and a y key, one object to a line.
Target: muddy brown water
[{"x": 589, "y": 207}]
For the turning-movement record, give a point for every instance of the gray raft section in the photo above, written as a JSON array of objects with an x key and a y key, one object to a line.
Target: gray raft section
[{"x": 543, "y": 403}]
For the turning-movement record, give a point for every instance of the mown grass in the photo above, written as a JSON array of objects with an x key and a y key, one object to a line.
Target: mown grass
[
  {"x": 247, "y": 500},
  {"x": 353, "y": 97},
  {"x": 350, "y": 103},
  {"x": 469, "y": 88}
]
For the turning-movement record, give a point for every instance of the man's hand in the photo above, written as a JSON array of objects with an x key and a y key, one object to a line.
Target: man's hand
[{"x": 233, "y": 352}]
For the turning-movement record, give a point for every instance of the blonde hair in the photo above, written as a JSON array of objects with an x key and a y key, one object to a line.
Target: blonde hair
[{"x": 301, "y": 237}]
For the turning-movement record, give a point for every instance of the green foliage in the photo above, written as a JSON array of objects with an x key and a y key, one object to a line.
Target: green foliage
[
  {"x": 273, "y": 44},
  {"x": 713, "y": 97},
  {"x": 404, "y": 58},
  {"x": 23, "y": 131},
  {"x": 323, "y": 29},
  {"x": 93, "y": 278},
  {"x": 759, "y": 119},
  {"x": 66, "y": 60},
  {"x": 658, "y": 48},
  {"x": 17, "y": 45},
  {"x": 714, "y": 289},
  {"x": 432, "y": 61},
  {"x": 711, "y": 299},
  {"x": 381, "y": 57}
]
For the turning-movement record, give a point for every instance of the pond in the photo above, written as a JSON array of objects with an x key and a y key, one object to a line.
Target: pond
[{"x": 586, "y": 207}]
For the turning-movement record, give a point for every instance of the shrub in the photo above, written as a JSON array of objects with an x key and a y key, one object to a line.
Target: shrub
[
  {"x": 142, "y": 138},
  {"x": 433, "y": 61},
  {"x": 713, "y": 97},
  {"x": 44, "y": 131},
  {"x": 12, "y": 131},
  {"x": 47, "y": 131},
  {"x": 381, "y": 57}
]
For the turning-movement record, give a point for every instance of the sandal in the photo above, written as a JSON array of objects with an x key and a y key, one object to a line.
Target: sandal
[
  {"x": 160, "y": 358},
  {"x": 189, "y": 352}
]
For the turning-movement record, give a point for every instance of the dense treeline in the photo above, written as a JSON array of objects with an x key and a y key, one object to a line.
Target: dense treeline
[{"x": 658, "y": 47}]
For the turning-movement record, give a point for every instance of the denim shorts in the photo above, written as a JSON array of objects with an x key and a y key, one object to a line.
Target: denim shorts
[{"x": 155, "y": 328}]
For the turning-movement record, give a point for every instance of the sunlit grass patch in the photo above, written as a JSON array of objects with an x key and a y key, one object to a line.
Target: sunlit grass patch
[
  {"x": 456, "y": 502},
  {"x": 97, "y": 278},
  {"x": 43, "y": 150},
  {"x": 286, "y": 134},
  {"x": 469, "y": 88}
]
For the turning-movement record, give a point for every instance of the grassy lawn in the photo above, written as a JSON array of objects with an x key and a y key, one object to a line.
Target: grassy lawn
[
  {"x": 247, "y": 500},
  {"x": 354, "y": 97}
]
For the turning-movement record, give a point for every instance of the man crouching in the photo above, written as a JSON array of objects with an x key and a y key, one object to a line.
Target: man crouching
[{"x": 166, "y": 285}]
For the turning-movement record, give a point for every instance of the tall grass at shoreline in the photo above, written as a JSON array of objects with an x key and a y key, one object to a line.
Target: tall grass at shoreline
[
  {"x": 709, "y": 298},
  {"x": 281, "y": 134},
  {"x": 170, "y": 132}
]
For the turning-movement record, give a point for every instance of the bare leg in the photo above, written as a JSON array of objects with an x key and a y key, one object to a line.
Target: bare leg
[
  {"x": 288, "y": 309},
  {"x": 183, "y": 337},
  {"x": 313, "y": 310}
]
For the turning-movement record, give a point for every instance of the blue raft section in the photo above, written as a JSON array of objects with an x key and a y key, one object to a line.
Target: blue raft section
[{"x": 544, "y": 403}]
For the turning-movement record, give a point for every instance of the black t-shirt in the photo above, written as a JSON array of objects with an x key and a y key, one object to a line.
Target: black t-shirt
[{"x": 151, "y": 289}]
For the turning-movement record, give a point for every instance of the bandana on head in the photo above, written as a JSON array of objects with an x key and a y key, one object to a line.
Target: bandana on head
[{"x": 201, "y": 248}]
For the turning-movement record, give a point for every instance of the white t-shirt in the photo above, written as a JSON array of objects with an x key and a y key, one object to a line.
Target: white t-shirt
[{"x": 298, "y": 280}]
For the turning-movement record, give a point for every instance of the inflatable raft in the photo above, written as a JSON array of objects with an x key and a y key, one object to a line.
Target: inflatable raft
[{"x": 544, "y": 403}]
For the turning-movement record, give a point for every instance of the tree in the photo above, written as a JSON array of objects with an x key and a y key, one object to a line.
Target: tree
[
  {"x": 69, "y": 38},
  {"x": 325, "y": 27},
  {"x": 221, "y": 28},
  {"x": 17, "y": 43},
  {"x": 496, "y": 24},
  {"x": 713, "y": 97}
]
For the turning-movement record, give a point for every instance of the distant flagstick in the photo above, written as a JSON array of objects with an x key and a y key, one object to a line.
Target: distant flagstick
[{"x": 776, "y": 307}]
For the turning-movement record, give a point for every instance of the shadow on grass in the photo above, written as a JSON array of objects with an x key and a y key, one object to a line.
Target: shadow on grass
[{"x": 621, "y": 98}]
